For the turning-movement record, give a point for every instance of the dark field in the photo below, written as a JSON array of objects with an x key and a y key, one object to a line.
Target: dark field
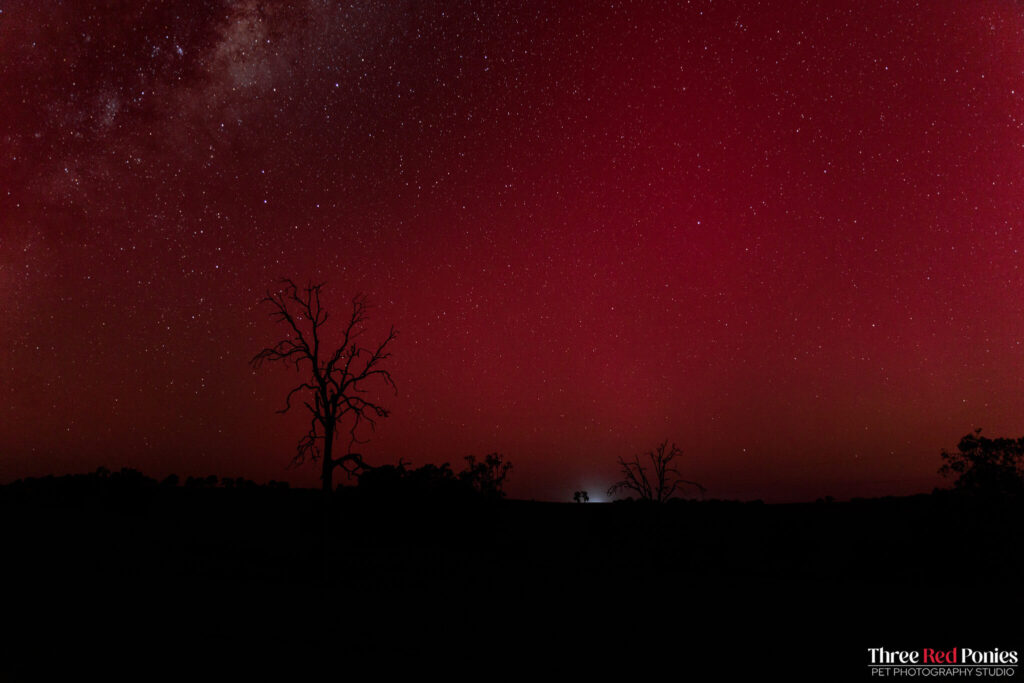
[{"x": 109, "y": 566}]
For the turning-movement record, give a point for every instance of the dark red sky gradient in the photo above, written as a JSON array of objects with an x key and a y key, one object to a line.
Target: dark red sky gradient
[{"x": 785, "y": 235}]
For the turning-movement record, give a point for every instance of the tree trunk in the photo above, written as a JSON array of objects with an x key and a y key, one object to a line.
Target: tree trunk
[{"x": 327, "y": 475}]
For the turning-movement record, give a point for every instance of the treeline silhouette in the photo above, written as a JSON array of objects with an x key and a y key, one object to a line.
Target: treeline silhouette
[
  {"x": 479, "y": 480},
  {"x": 207, "y": 526},
  {"x": 128, "y": 478}
]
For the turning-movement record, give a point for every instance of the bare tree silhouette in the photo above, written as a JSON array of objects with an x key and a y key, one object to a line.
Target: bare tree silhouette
[
  {"x": 664, "y": 478},
  {"x": 337, "y": 381}
]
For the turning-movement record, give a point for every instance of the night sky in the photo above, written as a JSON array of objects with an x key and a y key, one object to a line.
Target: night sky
[{"x": 786, "y": 236}]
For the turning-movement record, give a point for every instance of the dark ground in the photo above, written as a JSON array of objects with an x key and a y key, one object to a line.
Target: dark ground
[{"x": 99, "y": 569}]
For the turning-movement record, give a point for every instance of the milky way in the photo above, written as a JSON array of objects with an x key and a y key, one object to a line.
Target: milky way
[{"x": 786, "y": 236}]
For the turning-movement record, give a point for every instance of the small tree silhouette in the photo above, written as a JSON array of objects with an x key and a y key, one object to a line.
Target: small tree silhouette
[
  {"x": 664, "y": 478},
  {"x": 336, "y": 382},
  {"x": 986, "y": 465},
  {"x": 488, "y": 476}
]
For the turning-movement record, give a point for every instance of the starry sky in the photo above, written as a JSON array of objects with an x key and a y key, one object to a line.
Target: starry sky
[{"x": 785, "y": 235}]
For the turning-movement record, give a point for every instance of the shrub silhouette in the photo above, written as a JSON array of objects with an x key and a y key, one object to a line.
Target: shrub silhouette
[
  {"x": 986, "y": 465},
  {"x": 488, "y": 476},
  {"x": 483, "y": 479}
]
